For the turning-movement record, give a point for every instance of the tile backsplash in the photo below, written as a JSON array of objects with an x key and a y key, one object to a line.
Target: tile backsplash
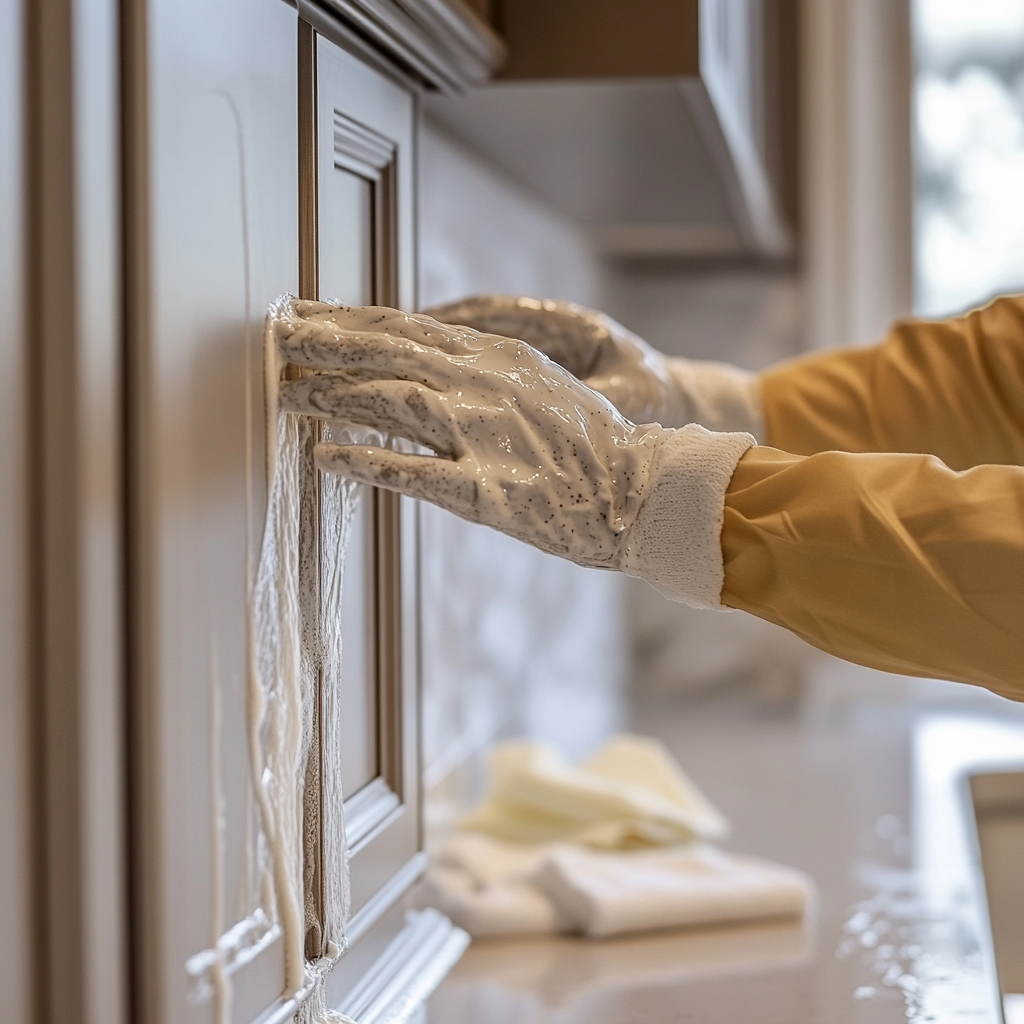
[{"x": 514, "y": 641}]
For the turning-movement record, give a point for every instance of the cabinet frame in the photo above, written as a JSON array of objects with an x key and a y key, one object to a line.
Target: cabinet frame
[{"x": 357, "y": 148}]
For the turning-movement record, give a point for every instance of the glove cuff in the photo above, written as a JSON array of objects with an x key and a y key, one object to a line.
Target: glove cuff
[
  {"x": 718, "y": 396},
  {"x": 675, "y": 542}
]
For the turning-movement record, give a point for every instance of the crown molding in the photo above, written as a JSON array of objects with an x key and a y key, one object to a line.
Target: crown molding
[{"x": 438, "y": 45}]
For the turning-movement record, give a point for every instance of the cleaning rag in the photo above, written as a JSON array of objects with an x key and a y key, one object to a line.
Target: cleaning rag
[
  {"x": 491, "y": 888},
  {"x": 630, "y": 794},
  {"x": 618, "y": 844}
]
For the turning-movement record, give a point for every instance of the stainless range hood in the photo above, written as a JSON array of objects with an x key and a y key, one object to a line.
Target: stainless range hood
[{"x": 695, "y": 159}]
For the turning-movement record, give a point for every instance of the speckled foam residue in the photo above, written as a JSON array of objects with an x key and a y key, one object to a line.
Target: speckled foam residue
[{"x": 518, "y": 443}]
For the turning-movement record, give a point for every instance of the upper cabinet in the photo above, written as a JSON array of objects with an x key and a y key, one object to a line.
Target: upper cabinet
[
  {"x": 553, "y": 39},
  {"x": 666, "y": 127}
]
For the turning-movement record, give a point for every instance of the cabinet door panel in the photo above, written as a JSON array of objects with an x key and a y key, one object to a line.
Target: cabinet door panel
[
  {"x": 359, "y": 759},
  {"x": 218, "y": 243},
  {"x": 346, "y": 271},
  {"x": 346, "y": 251},
  {"x": 365, "y": 246}
]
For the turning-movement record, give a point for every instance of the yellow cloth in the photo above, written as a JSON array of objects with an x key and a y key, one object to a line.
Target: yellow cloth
[
  {"x": 893, "y": 534},
  {"x": 630, "y": 794}
]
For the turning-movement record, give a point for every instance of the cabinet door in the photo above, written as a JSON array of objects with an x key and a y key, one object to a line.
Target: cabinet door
[
  {"x": 364, "y": 255},
  {"x": 213, "y": 185}
]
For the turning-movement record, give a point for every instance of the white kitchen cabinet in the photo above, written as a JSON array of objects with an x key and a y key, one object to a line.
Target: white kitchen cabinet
[
  {"x": 170, "y": 168},
  {"x": 669, "y": 130}
]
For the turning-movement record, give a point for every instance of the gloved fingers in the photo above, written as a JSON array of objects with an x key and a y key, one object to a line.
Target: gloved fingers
[
  {"x": 393, "y": 406},
  {"x": 299, "y": 309},
  {"x": 620, "y": 392},
  {"x": 358, "y": 353},
  {"x": 327, "y": 328},
  {"x": 570, "y": 335},
  {"x": 475, "y": 309},
  {"x": 429, "y": 478},
  {"x": 310, "y": 314}
]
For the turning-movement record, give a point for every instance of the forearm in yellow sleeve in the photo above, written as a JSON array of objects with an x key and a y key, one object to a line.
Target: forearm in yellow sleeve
[
  {"x": 893, "y": 561},
  {"x": 953, "y": 389}
]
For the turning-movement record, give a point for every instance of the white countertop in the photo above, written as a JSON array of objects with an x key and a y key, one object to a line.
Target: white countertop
[{"x": 858, "y": 782}]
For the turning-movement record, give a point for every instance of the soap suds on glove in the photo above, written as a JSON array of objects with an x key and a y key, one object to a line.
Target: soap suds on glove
[{"x": 519, "y": 444}]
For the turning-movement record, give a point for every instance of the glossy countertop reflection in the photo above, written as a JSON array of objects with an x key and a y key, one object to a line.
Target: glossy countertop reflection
[{"x": 857, "y": 780}]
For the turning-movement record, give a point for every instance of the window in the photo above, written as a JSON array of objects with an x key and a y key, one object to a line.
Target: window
[{"x": 969, "y": 157}]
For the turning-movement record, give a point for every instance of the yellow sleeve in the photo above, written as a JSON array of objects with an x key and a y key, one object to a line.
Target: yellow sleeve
[
  {"x": 953, "y": 389},
  {"x": 890, "y": 560}
]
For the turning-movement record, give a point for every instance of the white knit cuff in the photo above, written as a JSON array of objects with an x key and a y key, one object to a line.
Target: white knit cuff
[
  {"x": 718, "y": 396},
  {"x": 675, "y": 542}
]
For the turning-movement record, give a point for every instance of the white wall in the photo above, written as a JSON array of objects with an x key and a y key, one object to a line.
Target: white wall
[
  {"x": 857, "y": 174},
  {"x": 515, "y": 641},
  {"x": 747, "y": 316},
  {"x": 479, "y": 231}
]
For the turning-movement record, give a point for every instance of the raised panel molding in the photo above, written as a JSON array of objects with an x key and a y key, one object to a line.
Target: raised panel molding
[{"x": 407, "y": 972}]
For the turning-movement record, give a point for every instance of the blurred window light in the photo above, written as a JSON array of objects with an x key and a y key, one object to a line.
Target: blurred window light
[
  {"x": 969, "y": 152},
  {"x": 957, "y": 25}
]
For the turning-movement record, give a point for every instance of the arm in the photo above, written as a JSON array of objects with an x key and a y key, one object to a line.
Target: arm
[
  {"x": 953, "y": 389},
  {"x": 891, "y": 561},
  {"x": 894, "y": 561}
]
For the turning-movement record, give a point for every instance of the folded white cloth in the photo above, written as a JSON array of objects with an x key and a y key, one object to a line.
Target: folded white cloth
[
  {"x": 612, "y": 893},
  {"x": 615, "y": 845},
  {"x": 485, "y": 886},
  {"x": 490, "y": 887},
  {"x": 630, "y": 794}
]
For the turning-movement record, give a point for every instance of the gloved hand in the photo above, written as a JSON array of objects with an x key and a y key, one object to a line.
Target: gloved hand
[
  {"x": 521, "y": 445},
  {"x": 644, "y": 385}
]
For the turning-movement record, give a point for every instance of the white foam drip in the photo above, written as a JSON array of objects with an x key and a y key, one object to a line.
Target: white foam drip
[
  {"x": 275, "y": 692},
  {"x": 339, "y": 499},
  {"x": 286, "y": 657},
  {"x": 239, "y": 945}
]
